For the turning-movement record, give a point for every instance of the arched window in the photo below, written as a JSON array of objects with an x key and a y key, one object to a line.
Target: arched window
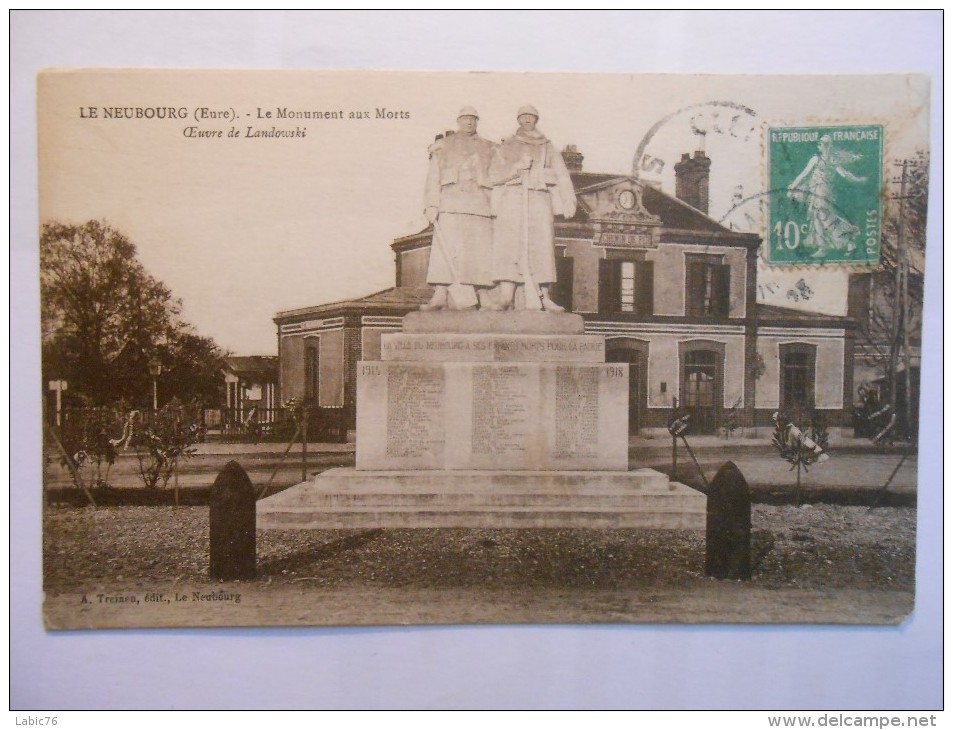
[
  {"x": 312, "y": 370},
  {"x": 702, "y": 382},
  {"x": 636, "y": 353}
]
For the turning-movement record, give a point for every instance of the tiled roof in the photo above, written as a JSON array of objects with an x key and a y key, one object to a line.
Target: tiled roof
[
  {"x": 399, "y": 299},
  {"x": 398, "y": 295},
  {"x": 768, "y": 313},
  {"x": 257, "y": 364},
  {"x": 678, "y": 214},
  {"x": 582, "y": 180}
]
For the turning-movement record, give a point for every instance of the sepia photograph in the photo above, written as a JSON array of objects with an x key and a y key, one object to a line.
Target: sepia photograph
[
  {"x": 317, "y": 351},
  {"x": 400, "y": 348}
]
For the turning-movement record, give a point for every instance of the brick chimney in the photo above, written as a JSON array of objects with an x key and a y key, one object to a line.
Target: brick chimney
[
  {"x": 691, "y": 180},
  {"x": 573, "y": 158}
]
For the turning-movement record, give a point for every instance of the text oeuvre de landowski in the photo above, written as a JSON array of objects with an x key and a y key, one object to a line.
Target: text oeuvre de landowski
[{"x": 205, "y": 122}]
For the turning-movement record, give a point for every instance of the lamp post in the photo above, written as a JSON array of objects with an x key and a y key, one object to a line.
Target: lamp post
[
  {"x": 155, "y": 370},
  {"x": 59, "y": 386}
]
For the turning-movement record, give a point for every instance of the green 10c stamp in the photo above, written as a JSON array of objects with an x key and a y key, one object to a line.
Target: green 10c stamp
[{"x": 825, "y": 201}]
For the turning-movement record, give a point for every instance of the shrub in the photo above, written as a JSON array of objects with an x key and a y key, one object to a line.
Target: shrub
[
  {"x": 169, "y": 435},
  {"x": 87, "y": 440}
]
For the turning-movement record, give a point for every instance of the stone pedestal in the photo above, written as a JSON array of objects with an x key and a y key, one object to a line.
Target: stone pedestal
[
  {"x": 537, "y": 416},
  {"x": 542, "y": 399},
  {"x": 490, "y": 419}
]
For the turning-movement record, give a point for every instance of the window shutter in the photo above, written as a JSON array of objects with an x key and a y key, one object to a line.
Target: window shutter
[
  {"x": 608, "y": 286},
  {"x": 562, "y": 291},
  {"x": 720, "y": 289},
  {"x": 695, "y": 289},
  {"x": 644, "y": 288}
]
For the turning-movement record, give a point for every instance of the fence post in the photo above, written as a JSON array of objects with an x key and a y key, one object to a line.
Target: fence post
[
  {"x": 674, "y": 443},
  {"x": 232, "y": 550},
  {"x": 728, "y": 525},
  {"x": 175, "y": 461},
  {"x": 305, "y": 410}
]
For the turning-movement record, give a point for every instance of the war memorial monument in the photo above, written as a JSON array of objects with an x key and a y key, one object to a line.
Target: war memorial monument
[{"x": 491, "y": 408}]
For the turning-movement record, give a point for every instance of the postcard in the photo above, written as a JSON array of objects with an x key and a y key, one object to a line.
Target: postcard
[{"x": 389, "y": 348}]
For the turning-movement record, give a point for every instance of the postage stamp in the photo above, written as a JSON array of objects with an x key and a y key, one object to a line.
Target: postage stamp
[{"x": 827, "y": 203}]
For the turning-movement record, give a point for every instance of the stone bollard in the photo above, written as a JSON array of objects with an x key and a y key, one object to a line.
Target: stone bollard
[
  {"x": 231, "y": 524},
  {"x": 728, "y": 526}
]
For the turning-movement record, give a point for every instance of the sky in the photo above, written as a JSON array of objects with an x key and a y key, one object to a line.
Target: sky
[{"x": 241, "y": 227}]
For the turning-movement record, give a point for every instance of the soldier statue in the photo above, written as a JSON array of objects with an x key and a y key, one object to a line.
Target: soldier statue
[
  {"x": 457, "y": 203},
  {"x": 531, "y": 185}
]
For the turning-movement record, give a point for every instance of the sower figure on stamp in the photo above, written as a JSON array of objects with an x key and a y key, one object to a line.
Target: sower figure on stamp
[
  {"x": 815, "y": 186},
  {"x": 531, "y": 185},
  {"x": 457, "y": 203}
]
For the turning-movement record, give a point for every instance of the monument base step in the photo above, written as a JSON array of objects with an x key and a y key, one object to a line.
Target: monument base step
[{"x": 346, "y": 498}]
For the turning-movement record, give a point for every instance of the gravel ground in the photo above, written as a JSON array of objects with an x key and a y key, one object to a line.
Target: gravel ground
[{"x": 815, "y": 547}]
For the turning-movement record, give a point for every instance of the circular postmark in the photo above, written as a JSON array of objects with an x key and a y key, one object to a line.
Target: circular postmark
[
  {"x": 725, "y": 133},
  {"x": 812, "y": 193},
  {"x": 817, "y": 188},
  {"x": 792, "y": 239}
]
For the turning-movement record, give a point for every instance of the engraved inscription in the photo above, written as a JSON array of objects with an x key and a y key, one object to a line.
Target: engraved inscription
[
  {"x": 631, "y": 240},
  {"x": 415, "y": 398},
  {"x": 577, "y": 411},
  {"x": 500, "y": 410}
]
